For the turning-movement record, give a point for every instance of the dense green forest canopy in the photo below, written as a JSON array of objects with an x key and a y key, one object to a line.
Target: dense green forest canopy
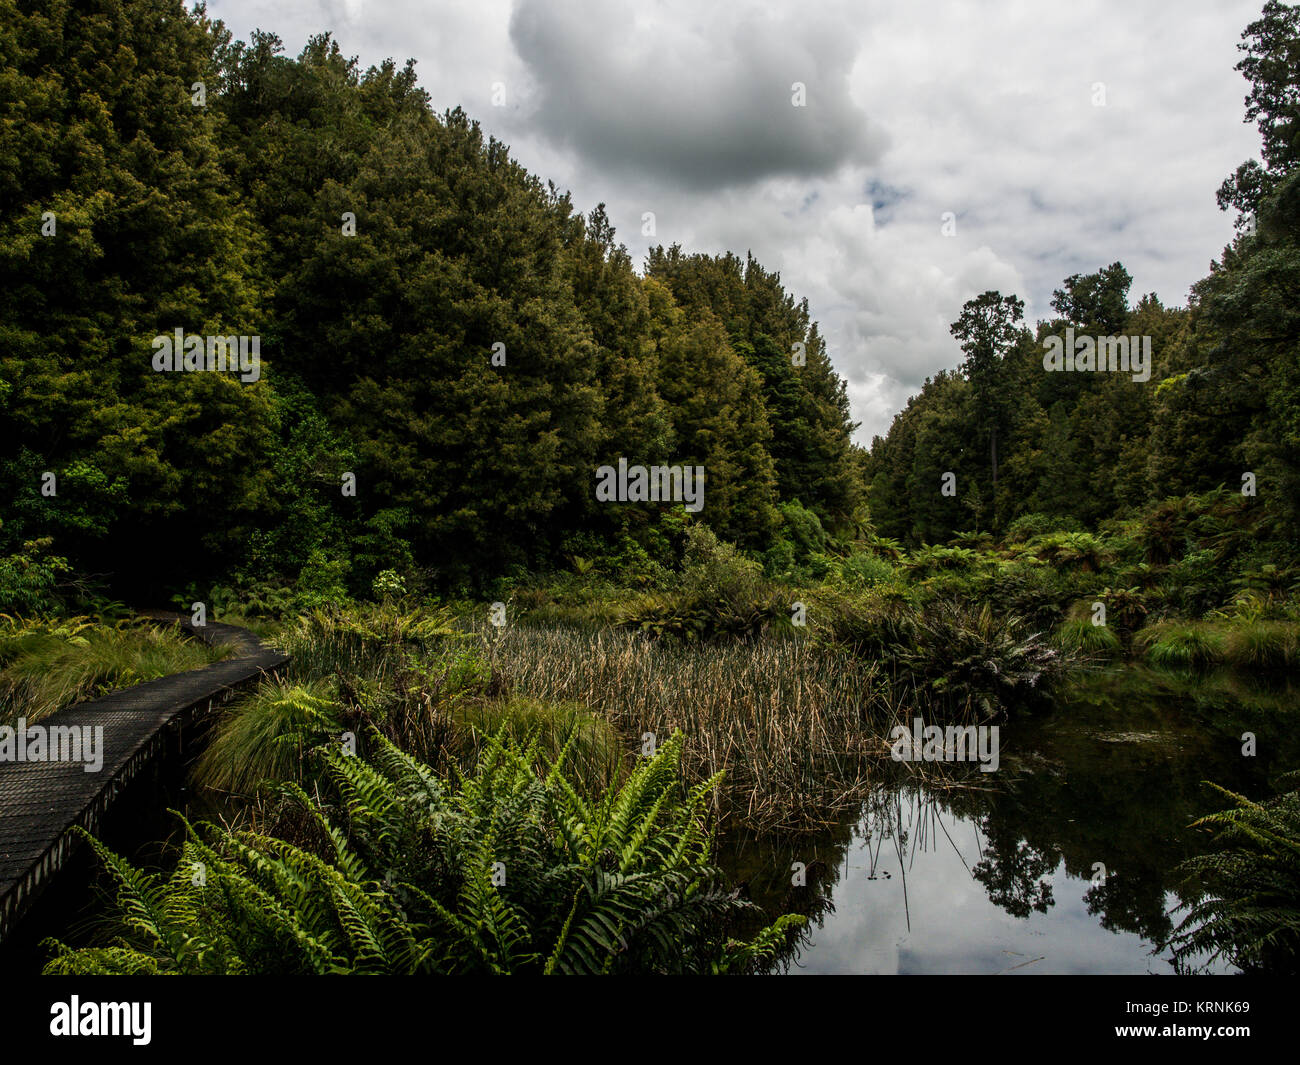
[
  {"x": 443, "y": 330},
  {"x": 381, "y": 252}
]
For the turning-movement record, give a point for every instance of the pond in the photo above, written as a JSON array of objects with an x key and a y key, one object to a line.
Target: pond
[{"x": 1003, "y": 872}]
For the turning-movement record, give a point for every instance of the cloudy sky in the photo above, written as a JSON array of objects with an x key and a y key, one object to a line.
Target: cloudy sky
[{"x": 1061, "y": 137}]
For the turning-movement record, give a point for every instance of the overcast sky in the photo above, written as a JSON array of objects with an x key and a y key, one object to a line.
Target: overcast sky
[{"x": 914, "y": 109}]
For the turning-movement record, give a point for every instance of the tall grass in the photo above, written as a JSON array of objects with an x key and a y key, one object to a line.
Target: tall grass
[
  {"x": 795, "y": 727},
  {"x": 1262, "y": 644},
  {"x": 48, "y": 665},
  {"x": 1240, "y": 643},
  {"x": 796, "y": 724},
  {"x": 268, "y": 736},
  {"x": 413, "y": 680}
]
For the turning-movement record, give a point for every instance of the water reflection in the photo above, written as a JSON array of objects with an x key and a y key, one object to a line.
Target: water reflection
[{"x": 1062, "y": 864}]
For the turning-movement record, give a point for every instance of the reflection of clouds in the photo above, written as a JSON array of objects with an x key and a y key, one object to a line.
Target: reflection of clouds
[{"x": 955, "y": 927}]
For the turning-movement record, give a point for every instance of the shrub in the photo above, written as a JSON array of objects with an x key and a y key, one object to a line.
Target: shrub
[
  {"x": 1195, "y": 583},
  {"x": 803, "y": 528},
  {"x": 28, "y": 580},
  {"x": 1079, "y": 551},
  {"x": 1126, "y": 608},
  {"x": 366, "y": 639},
  {"x": 872, "y": 625},
  {"x": 1028, "y": 526},
  {"x": 1031, "y": 590},
  {"x": 978, "y": 663},
  {"x": 863, "y": 570},
  {"x": 930, "y": 560},
  {"x": 721, "y": 593}
]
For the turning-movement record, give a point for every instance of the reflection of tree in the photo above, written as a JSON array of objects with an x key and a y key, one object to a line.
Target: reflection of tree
[
  {"x": 761, "y": 866},
  {"x": 1015, "y": 876},
  {"x": 1113, "y": 779},
  {"x": 1122, "y": 908}
]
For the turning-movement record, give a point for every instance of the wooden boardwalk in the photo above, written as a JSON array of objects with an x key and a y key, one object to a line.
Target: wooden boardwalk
[{"x": 40, "y": 801}]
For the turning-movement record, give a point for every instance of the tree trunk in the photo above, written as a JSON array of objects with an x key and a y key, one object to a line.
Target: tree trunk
[{"x": 993, "y": 454}]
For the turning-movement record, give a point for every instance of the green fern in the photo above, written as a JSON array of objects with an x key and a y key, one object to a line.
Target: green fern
[
  {"x": 396, "y": 871},
  {"x": 1245, "y": 899}
]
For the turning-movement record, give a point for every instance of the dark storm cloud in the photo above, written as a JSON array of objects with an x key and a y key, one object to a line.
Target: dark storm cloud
[{"x": 698, "y": 101}]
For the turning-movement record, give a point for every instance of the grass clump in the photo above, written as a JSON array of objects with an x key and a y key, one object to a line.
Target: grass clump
[
  {"x": 1181, "y": 645},
  {"x": 268, "y": 735},
  {"x": 46, "y": 665},
  {"x": 1082, "y": 637},
  {"x": 1262, "y": 644}
]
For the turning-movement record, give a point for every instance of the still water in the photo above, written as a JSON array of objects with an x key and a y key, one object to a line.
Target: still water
[{"x": 1003, "y": 872}]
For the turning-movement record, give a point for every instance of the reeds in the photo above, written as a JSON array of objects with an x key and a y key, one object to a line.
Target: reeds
[{"x": 795, "y": 727}]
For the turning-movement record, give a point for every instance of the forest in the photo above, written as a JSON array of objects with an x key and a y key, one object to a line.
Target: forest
[{"x": 427, "y": 357}]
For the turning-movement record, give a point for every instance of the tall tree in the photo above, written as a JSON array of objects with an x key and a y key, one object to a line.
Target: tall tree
[
  {"x": 986, "y": 330},
  {"x": 119, "y": 226},
  {"x": 1096, "y": 301},
  {"x": 1272, "y": 65}
]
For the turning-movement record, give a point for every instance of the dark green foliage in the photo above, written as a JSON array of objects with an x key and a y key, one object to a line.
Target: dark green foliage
[
  {"x": 721, "y": 593},
  {"x": 378, "y": 330},
  {"x": 1246, "y": 901},
  {"x": 149, "y": 235},
  {"x": 29, "y": 579},
  {"x": 1097, "y": 300},
  {"x": 979, "y": 663}
]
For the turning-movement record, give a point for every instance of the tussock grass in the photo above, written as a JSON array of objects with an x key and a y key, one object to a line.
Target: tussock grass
[
  {"x": 1081, "y": 636},
  {"x": 1262, "y": 644},
  {"x": 48, "y": 665},
  {"x": 1203, "y": 644},
  {"x": 268, "y": 735},
  {"x": 1180, "y": 645}
]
